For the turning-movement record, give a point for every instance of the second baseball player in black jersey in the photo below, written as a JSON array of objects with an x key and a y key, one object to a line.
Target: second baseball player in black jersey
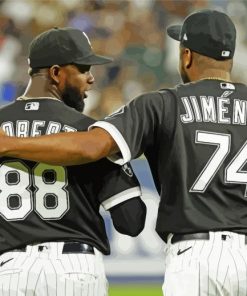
[{"x": 198, "y": 162}]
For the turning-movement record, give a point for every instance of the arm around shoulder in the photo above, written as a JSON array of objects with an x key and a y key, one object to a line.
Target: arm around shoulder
[{"x": 61, "y": 149}]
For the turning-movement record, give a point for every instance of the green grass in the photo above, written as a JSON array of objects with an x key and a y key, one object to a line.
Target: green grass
[{"x": 135, "y": 290}]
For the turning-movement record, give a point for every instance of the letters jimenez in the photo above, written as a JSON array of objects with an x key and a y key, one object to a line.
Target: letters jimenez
[{"x": 214, "y": 109}]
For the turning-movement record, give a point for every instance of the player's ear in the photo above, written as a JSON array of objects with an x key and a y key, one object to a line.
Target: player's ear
[
  {"x": 187, "y": 58},
  {"x": 54, "y": 73}
]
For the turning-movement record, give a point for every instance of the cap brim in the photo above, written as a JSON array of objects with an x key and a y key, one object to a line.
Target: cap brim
[
  {"x": 93, "y": 60},
  {"x": 174, "y": 31}
]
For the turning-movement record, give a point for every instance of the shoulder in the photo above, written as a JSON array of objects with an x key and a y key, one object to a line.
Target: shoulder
[
  {"x": 148, "y": 99},
  {"x": 149, "y": 96},
  {"x": 8, "y": 106},
  {"x": 76, "y": 115}
]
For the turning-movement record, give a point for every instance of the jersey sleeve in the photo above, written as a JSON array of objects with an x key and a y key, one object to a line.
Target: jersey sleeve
[
  {"x": 117, "y": 189},
  {"x": 114, "y": 184},
  {"x": 134, "y": 126}
]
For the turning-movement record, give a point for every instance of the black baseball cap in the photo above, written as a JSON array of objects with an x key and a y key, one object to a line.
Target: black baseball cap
[
  {"x": 63, "y": 46},
  {"x": 207, "y": 32}
]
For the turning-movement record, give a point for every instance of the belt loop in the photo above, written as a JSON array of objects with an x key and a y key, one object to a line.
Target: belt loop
[{"x": 169, "y": 238}]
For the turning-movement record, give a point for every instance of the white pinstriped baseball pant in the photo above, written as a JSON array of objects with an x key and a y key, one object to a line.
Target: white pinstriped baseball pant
[
  {"x": 51, "y": 273},
  {"x": 214, "y": 267}
]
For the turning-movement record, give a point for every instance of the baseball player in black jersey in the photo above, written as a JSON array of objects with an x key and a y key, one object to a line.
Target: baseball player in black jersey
[
  {"x": 52, "y": 235},
  {"x": 194, "y": 137}
]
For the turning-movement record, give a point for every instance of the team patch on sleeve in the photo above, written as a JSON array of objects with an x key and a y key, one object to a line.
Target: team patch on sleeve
[{"x": 128, "y": 170}]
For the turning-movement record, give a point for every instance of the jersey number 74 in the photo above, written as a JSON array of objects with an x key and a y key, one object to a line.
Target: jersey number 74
[{"x": 233, "y": 171}]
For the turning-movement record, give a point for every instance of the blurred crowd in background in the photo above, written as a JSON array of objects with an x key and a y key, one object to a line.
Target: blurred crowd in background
[{"x": 130, "y": 31}]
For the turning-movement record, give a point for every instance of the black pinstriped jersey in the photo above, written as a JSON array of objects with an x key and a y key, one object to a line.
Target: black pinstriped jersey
[
  {"x": 195, "y": 140},
  {"x": 40, "y": 202}
]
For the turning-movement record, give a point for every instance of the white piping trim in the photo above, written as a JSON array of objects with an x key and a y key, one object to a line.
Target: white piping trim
[
  {"x": 119, "y": 139},
  {"x": 121, "y": 197}
]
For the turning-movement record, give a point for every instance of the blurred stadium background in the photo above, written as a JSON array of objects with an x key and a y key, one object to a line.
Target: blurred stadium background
[{"x": 133, "y": 33}]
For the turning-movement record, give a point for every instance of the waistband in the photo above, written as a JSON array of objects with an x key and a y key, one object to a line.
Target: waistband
[
  {"x": 176, "y": 238},
  {"x": 67, "y": 248}
]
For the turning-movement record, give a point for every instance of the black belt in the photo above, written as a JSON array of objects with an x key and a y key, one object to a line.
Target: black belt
[
  {"x": 197, "y": 236},
  {"x": 76, "y": 247},
  {"x": 68, "y": 248}
]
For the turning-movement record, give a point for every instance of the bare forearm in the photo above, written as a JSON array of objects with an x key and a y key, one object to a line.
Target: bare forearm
[{"x": 61, "y": 149}]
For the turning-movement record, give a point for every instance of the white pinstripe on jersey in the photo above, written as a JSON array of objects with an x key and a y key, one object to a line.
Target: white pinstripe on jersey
[
  {"x": 214, "y": 267},
  {"x": 51, "y": 273}
]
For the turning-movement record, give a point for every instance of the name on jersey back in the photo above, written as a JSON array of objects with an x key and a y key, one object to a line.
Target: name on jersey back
[
  {"x": 25, "y": 128},
  {"x": 216, "y": 110}
]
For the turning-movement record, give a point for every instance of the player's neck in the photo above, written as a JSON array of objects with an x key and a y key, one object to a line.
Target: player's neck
[
  {"x": 39, "y": 87},
  {"x": 214, "y": 74}
]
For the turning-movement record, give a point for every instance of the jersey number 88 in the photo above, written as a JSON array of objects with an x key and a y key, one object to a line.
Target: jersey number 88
[{"x": 42, "y": 189}]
